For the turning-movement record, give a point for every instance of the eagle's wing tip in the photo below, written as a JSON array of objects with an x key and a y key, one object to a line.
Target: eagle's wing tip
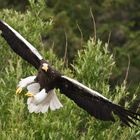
[{"x": 128, "y": 117}]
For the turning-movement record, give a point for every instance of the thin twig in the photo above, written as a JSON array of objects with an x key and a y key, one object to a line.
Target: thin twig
[
  {"x": 94, "y": 23},
  {"x": 109, "y": 38},
  {"x": 127, "y": 71},
  {"x": 80, "y": 33},
  {"x": 66, "y": 49}
]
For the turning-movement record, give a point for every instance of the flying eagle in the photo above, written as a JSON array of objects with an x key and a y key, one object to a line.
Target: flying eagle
[{"x": 41, "y": 93}]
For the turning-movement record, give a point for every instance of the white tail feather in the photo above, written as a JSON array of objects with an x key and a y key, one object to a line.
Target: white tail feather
[
  {"x": 34, "y": 88},
  {"x": 51, "y": 101}
]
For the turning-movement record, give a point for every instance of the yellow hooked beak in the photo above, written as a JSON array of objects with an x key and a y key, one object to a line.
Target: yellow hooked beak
[
  {"x": 29, "y": 94},
  {"x": 18, "y": 90},
  {"x": 45, "y": 67}
]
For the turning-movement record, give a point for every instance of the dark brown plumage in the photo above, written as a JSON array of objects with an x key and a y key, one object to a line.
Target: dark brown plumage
[
  {"x": 23, "y": 50},
  {"x": 47, "y": 80},
  {"x": 91, "y": 101},
  {"x": 96, "y": 106}
]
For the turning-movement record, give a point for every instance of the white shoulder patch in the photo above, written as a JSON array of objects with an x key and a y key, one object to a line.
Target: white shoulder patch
[
  {"x": 33, "y": 49},
  {"x": 26, "y": 81},
  {"x": 93, "y": 92}
]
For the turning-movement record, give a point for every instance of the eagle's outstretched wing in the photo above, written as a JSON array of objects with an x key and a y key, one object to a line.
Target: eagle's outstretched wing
[
  {"x": 21, "y": 46},
  {"x": 94, "y": 103}
]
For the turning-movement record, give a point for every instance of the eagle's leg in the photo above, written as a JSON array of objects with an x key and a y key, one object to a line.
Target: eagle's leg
[
  {"x": 29, "y": 94},
  {"x": 41, "y": 101},
  {"x": 24, "y": 83},
  {"x": 38, "y": 97}
]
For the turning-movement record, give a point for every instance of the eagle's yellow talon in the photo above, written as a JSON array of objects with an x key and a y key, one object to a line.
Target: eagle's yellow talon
[
  {"x": 18, "y": 90},
  {"x": 29, "y": 94}
]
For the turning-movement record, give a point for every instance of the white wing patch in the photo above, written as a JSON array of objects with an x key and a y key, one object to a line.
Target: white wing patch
[
  {"x": 93, "y": 92},
  {"x": 26, "y": 81},
  {"x": 34, "y": 50}
]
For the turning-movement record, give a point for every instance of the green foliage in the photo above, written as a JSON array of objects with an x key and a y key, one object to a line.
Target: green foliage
[
  {"x": 95, "y": 55},
  {"x": 121, "y": 18},
  {"x": 93, "y": 66},
  {"x": 16, "y": 4},
  {"x": 73, "y": 25}
]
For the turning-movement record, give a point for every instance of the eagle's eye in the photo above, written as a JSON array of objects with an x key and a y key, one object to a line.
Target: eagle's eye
[{"x": 45, "y": 67}]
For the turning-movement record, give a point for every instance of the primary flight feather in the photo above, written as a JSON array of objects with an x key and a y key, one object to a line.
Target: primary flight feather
[{"x": 41, "y": 87}]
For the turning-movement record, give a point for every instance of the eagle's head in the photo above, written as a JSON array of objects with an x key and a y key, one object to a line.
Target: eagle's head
[{"x": 45, "y": 67}]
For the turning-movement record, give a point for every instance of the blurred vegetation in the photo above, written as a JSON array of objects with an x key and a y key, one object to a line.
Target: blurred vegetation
[
  {"x": 54, "y": 26},
  {"x": 73, "y": 25}
]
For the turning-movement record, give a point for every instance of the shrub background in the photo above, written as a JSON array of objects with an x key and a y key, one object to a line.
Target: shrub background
[{"x": 50, "y": 29}]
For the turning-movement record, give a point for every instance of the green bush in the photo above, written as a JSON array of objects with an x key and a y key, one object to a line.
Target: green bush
[{"x": 92, "y": 66}]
